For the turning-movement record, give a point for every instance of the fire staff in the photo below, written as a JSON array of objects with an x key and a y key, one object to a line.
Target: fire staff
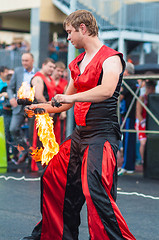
[{"x": 85, "y": 167}]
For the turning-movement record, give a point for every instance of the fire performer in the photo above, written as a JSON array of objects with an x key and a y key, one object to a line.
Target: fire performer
[{"x": 85, "y": 167}]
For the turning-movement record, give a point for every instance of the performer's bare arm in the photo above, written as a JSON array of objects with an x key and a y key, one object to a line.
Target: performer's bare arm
[
  {"x": 112, "y": 68},
  {"x": 38, "y": 83},
  {"x": 50, "y": 109}
]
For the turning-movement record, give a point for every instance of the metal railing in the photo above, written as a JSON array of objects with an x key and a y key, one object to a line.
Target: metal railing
[
  {"x": 135, "y": 97},
  {"x": 132, "y": 15}
]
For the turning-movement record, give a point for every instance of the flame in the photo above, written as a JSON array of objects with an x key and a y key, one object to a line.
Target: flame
[
  {"x": 25, "y": 91},
  {"x": 47, "y": 137}
]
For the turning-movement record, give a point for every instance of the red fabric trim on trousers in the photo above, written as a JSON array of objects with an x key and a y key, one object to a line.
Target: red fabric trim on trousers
[
  {"x": 96, "y": 228},
  {"x": 108, "y": 167},
  {"x": 54, "y": 185}
]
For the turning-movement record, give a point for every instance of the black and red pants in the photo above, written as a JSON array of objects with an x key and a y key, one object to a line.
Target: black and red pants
[{"x": 84, "y": 169}]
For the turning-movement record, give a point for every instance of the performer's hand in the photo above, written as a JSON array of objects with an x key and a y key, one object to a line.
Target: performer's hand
[
  {"x": 62, "y": 98},
  {"x": 29, "y": 112},
  {"x": 55, "y": 103}
]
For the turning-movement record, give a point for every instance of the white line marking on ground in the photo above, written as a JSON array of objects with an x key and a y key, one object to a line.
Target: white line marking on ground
[
  {"x": 138, "y": 194},
  {"x": 20, "y": 178},
  {"x": 38, "y": 179}
]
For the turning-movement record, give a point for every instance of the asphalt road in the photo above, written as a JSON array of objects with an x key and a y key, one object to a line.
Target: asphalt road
[{"x": 138, "y": 200}]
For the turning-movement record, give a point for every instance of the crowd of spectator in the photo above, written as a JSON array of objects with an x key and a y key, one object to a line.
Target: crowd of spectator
[
  {"x": 23, "y": 46},
  {"x": 57, "y": 50}
]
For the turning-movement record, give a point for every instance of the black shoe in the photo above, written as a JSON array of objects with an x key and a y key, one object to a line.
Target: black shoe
[{"x": 36, "y": 233}]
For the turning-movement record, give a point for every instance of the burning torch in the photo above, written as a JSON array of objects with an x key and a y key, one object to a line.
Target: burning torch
[
  {"x": 26, "y": 94},
  {"x": 44, "y": 124}
]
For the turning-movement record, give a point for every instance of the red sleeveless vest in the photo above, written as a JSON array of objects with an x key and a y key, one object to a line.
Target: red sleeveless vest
[{"x": 88, "y": 79}]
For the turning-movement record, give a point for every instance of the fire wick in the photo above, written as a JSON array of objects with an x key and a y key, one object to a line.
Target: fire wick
[{"x": 55, "y": 103}]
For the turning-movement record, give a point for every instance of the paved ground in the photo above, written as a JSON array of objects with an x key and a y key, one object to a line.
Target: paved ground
[{"x": 20, "y": 206}]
